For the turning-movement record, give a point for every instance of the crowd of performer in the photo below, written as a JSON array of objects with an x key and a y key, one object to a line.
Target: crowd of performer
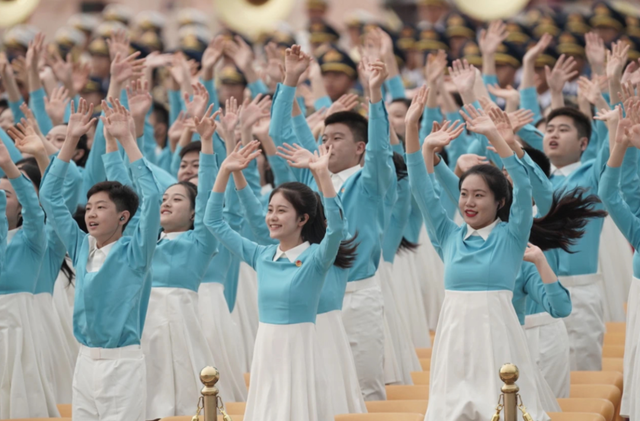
[{"x": 306, "y": 207}]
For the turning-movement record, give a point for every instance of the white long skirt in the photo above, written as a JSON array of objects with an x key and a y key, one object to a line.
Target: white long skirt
[
  {"x": 549, "y": 347},
  {"x": 58, "y": 356},
  {"x": 287, "y": 376},
  {"x": 25, "y": 390},
  {"x": 175, "y": 351},
  {"x": 616, "y": 262},
  {"x": 478, "y": 332},
  {"x": 223, "y": 337},
  {"x": 337, "y": 358},
  {"x": 399, "y": 338},
  {"x": 430, "y": 269},
  {"x": 632, "y": 338},
  {"x": 245, "y": 312},
  {"x": 409, "y": 300},
  {"x": 63, "y": 297}
]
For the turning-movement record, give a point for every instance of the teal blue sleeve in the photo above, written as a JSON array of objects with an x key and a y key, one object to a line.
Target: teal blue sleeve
[
  {"x": 252, "y": 209},
  {"x": 14, "y": 153},
  {"x": 147, "y": 143},
  {"x": 532, "y": 136},
  {"x": 460, "y": 145},
  {"x": 395, "y": 87},
  {"x": 252, "y": 175},
  {"x": 328, "y": 250},
  {"x": 281, "y": 170},
  {"x": 448, "y": 180},
  {"x": 490, "y": 80},
  {"x": 258, "y": 87},
  {"x": 32, "y": 213},
  {"x": 428, "y": 200},
  {"x": 541, "y": 187},
  {"x": 175, "y": 161},
  {"x": 15, "y": 109},
  {"x": 529, "y": 101},
  {"x": 232, "y": 211},
  {"x": 321, "y": 102},
  {"x": 145, "y": 236},
  {"x": 67, "y": 110},
  {"x": 210, "y": 86},
  {"x": 176, "y": 104},
  {"x": 115, "y": 168},
  {"x": 94, "y": 169},
  {"x": 207, "y": 173},
  {"x": 72, "y": 189},
  {"x": 303, "y": 133},
  {"x": 378, "y": 172},
  {"x": 554, "y": 298},
  {"x": 429, "y": 116},
  {"x": 302, "y": 105},
  {"x": 521, "y": 213},
  {"x": 57, "y": 213},
  {"x": 630, "y": 180},
  {"x": 4, "y": 228},
  {"x": 609, "y": 193},
  {"x": 36, "y": 104},
  {"x": 246, "y": 250}
]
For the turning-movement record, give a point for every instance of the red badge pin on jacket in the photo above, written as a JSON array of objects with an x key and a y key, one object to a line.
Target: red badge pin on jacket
[{"x": 298, "y": 263}]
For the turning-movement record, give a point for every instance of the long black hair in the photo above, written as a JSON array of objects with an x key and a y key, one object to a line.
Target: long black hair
[
  {"x": 306, "y": 201},
  {"x": 401, "y": 174},
  {"x": 561, "y": 227}
]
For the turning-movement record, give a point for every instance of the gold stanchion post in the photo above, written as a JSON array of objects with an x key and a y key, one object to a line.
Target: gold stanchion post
[
  {"x": 209, "y": 376},
  {"x": 509, "y": 375}
]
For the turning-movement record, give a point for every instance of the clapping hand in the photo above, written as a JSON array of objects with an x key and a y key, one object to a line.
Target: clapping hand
[{"x": 319, "y": 161}]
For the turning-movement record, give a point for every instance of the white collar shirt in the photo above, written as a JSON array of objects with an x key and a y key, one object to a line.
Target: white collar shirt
[
  {"x": 12, "y": 233},
  {"x": 566, "y": 170},
  {"x": 97, "y": 256},
  {"x": 340, "y": 178},
  {"x": 482, "y": 232},
  {"x": 291, "y": 254}
]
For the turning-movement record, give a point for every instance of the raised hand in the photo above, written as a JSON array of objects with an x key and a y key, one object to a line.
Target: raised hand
[
  {"x": 156, "y": 60},
  {"x": 118, "y": 44},
  {"x": 176, "y": 129},
  {"x": 295, "y": 155},
  {"x": 509, "y": 94},
  {"x": 378, "y": 74},
  {"x": 628, "y": 96},
  {"x": 80, "y": 120},
  {"x": 436, "y": 64},
  {"x": 491, "y": 38},
  {"x": 240, "y": 52},
  {"x": 213, "y": 53},
  {"x": 206, "y": 126},
  {"x": 79, "y": 76},
  {"x": 633, "y": 134},
  {"x": 319, "y": 161},
  {"x": 140, "y": 99},
  {"x": 609, "y": 115},
  {"x": 563, "y": 72},
  {"x": 197, "y": 105},
  {"x": 32, "y": 59},
  {"x": 533, "y": 254},
  {"x": 240, "y": 158},
  {"x": 261, "y": 130},
  {"x": 62, "y": 69},
  {"x": 616, "y": 59},
  {"x": 442, "y": 135},
  {"x": 56, "y": 104},
  {"x": 595, "y": 52},
  {"x": 533, "y": 53},
  {"x": 501, "y": 121},
  {"x": 414, "y": 113},
  {"x": 520, "y": 118},
  {"x": 26, "y": 139},
  {"x": 346, "y": 102},
  {"x": 116, "y": 120},
  {"x": 275, "y": 66},
  {"x": 463, "y": 76},
  {"x": 295, "y": 64},
  {"x": 317, "y": 118},
  {"x": 124, "y": 68},
  {"x": 467, "y": 161},
  {"x": 254, "y": 111},
  {"x": 231, "y": 116},
  {"x": 30, "y": 119},
  {"x": 589, "y": 89},
  {"x": 478, "y": 121}
]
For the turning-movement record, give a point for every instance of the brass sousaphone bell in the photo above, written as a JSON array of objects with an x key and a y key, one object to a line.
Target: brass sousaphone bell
[
  {"x": 13, "y": 12},
  {"x": 252, "y": 17},
  {"x": 488, "y": 10}
]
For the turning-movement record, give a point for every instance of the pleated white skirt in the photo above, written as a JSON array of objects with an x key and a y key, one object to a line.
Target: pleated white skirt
[
  {"x": 340, "y": 368},
  {"x": 430, "y": 269},
  {"x": 58, "y": 356},
  {"x": 25, "y": 388},
  {"x": 616, "y": 262},
  {"x": 63, "y": 296},
  {"x": 632, "y": 339},
  {"x": 287, "y": 376},
  {"x": 175, "y": 351},
  {"x": 245, "y": 312},
  {"x": 478, "y": 332},
  {"x": 409, "y": 300},
  {"x": 549, "y": 347},
  {"x": 223, "y": 337},
  {"x": 399, "y": 338}
]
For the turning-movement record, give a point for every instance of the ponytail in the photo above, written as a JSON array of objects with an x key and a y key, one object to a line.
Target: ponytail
[
  {"x": 406, "y": 245},
  {"x": 564, "y": 224}
]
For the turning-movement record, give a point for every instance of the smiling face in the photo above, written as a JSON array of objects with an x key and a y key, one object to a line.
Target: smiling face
[
  {"x": 103, "y": 220},
  {"x": 176, "y": 211},
  {"x": 189, "y": 166},
  {"x": 14, "y": 208},
  {"x": 57, "y": 135},
  {"x": 346, "y": 151},
  {"x": 562, "y": 143},
  {"x": 283, "y": 220},
  {"x": 477, "y": 202}
]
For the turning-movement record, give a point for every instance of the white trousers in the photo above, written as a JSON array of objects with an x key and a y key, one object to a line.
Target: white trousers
[
  {"x": 363, "y": 317},
  {"x": 109, "y": 384},
  {"x": 549, "y": 347},
  {"x": 585, "y": 325}
]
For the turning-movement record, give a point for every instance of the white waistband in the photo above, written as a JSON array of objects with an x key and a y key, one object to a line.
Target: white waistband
[
  {"x": 130, "y": 351},
  {"x": 537, "y": 320},
  {"x": 580, "y": 280},
  {"x": 361, "y": 284}
]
